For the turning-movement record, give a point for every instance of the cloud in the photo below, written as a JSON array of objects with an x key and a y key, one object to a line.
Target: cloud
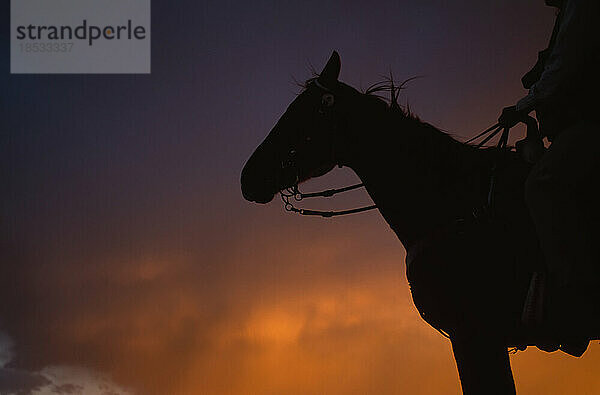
[
  {"x": 261, "y": 308},
  {"x": 20, "y": 382},
  {"x": 6, "y": 349},
  {"x": 57, "y": 380},
  {"x": 76, "y": 380},
  {"x": 68, "y": 389},
  {"x": 51, "y": 380},
  {"x": 13, "y": 381}
]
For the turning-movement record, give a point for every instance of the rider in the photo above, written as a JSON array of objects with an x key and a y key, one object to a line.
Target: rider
[{"x": 563, "y": 91}]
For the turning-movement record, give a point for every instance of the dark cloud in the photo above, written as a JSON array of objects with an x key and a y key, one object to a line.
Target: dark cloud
[
  {"x": 19, "y": 382},
  {"x": 57, "y": 380},
  {"x": 67, "y": 389}
]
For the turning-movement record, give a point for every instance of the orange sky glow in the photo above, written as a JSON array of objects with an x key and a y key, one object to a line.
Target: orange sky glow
[{"x": 131, "y": 263}]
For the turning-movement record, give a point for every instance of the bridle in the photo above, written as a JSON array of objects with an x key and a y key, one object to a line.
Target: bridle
[{"x": 294, "y": 192}]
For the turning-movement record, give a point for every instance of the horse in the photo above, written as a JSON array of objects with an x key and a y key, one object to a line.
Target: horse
[{"x": 473, "y": 260}]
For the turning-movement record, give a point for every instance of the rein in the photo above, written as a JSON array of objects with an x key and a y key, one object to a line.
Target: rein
[
  {"x": 294, "y": 193},
  {"x": 491, "y": 132}
]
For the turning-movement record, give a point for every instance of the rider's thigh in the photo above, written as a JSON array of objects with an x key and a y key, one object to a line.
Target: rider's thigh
[{"x": 560, "y": 194}]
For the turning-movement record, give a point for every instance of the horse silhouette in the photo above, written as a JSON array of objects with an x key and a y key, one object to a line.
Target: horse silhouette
[{"x": 473, "y": 266}]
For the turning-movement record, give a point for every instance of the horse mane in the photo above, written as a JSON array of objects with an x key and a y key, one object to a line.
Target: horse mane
[
  {"x": 387, "y": 92},
  {"x": 392, "y": 89},
  {"x": 445, "y": 158}
]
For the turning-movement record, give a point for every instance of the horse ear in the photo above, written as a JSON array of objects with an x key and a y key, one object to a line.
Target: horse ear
[{"x": 331, "y": 72}]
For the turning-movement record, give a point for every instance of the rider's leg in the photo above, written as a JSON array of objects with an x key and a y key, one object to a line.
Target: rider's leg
[{"x": 560, "y": 193}]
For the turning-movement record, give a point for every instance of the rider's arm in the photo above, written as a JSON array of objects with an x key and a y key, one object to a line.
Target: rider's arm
[{"x": 577, "y": 41}]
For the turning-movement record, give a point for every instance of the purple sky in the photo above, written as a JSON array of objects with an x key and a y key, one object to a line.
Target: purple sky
[{"x": 122, "y": 215}]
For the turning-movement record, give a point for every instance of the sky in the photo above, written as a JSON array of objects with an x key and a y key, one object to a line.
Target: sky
[{"x": 131, "y": 264}]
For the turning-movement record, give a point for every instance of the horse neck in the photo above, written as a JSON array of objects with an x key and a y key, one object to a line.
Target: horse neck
[{"x": 418, "y": 177}]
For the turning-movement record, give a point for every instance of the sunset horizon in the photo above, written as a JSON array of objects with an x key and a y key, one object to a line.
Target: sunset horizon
[{"x": 131, "y": 262}]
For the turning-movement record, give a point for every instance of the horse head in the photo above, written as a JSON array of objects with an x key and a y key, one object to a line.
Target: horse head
[{"x": 302, "y": 144}]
